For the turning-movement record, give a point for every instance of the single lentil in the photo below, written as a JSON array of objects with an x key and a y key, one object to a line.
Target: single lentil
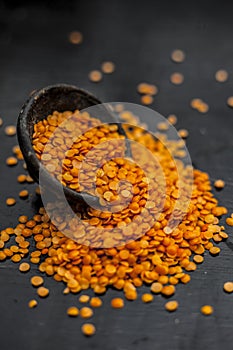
[
  {"x": 10, "y": 130},
  {"x": 43, "y": 292},
  {"x": 32, "y": 304},
  {"x": 108, "y": 67},
  {"x": 207, "y": 310},
  {"x": 178, "y": 56},
  {"x": 221, "y": 76},
  {"x": 23, "y": 194},
  {"x": 147, "y": 99},
  {"x": 10, "y": 201},
  {"x": 24, "y": 267},
  {"x": 95, "y": 76},
  {"x": 86, "y": 312},
  {"x": 229, "y": 221},
  {"x": 84, "y": 298},
  {"x": 228, "y": 287},
  {"x": 21, "y": 178},
  {"x": 147, "y": 297},
  {"x": 171, "y": 305},
  {"x": 73, "y": 311},
  {"x": 37, "y": 281},
  {"x": 11, "y": 161},
  {"x": 117, "y": 303},
  {"x": 177, "y": 78},
  {"x": 88, "y": 329},
  {"x": 75, "y": 37},
  {"x": 172, "y": 118},
  {"x": 230, "y": 101},
  {"x": 219, "y": 184},
  {"x": 198, "y": 259},
  {"x": 95, "y": 302}
]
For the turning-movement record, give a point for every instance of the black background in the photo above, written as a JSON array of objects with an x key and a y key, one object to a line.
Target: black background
[{"x": 139, "y": 37}]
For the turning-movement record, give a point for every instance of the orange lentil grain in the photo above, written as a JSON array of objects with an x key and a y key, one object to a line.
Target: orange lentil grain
[
  {"x": 11, "y": 161},
  {"x": 24, "y": 267},
  {"x": 32, "y": 304},
  {"x": 86, "y": 312},
  {"x": 117, "y": 303},
  {"x": 84, "y": 298},
  {"x": 37, "y": 281},
  {"x": 177, "y": 78},
  {"x": 95, "y": 302},
  {"x": 72, "y": 311},
  {"x": 219, "y": 184},
  {"x": 10, "y": 201},
  {"x": 178, "y": 56},
  {"x": 147, "y": 297},
  {"x": 171, "y": 305},
  {"x": 147, "y": 99},
  {"x": 75, "y": 37},
  {"x": 23, "y": 194},
  {"x": 43, "y": 292},
  {"x": 88, "y": 329},
  {"x": 108, "y": 67},
  {"x": 207, "y": 310},
  {"x": 95, "y": 76},
  {"x": 228, "y": 287},
  {"x": 10, "y": 130},
  {"x": 229, "y": 221}
]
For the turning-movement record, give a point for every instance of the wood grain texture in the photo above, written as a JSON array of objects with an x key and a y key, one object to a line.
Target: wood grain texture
[{"x": 138, "y": 37}]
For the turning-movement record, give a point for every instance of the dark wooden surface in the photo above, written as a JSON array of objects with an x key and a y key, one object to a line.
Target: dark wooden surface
[{"x": 139, "y": 37}]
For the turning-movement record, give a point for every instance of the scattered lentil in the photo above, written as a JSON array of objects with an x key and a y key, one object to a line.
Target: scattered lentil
[
  {"x": 84, "y": 298},
  {"x": 108, "y": 67},
  {"x": 198, "y": 259},
  {"x": 219, "y": 184},
  {"x": 75, "y": 37},
  {"x": 43, "y": 292},
  {"x": 86, "y": 312},
  {"x": 11, "y": 161},
  {"x": 171, "y": 305},
  {"x": 23, "y": 194},
  {"x": 24, "y": 267},
  {"x": 183, "y": 133},
  {"x": 178, "y": 56},
  {"x": 207, "y": 310},
  {"x": 228, "y": 287},
  {"x": 221, "y": 76},
  {"x": 172, "y": 119},
  {"x": 95, "y": 302},
  {"x": 214, "y": 250},
  {"x": 32, "y": 303},
  {"x": 147, "y": 99},
  {"x": 117, "y": 303},
  {"x": 88, "y": 329},
  {"x": 156, "y": 287},
  {"x": 147, "y": 297},
  {"x": 177, "y": 78},
  {"x": 229, "y": 221},
  {"x": 95, "y": 76},
  {"x": 10, "y": 130},
  {"x": 10, "y": 201},
  {"x": 73, "y": 311},
  {"x": 22, "y": 178},
  {"x": 37, "y": 281},
  {"x": 230, "y": 101}
]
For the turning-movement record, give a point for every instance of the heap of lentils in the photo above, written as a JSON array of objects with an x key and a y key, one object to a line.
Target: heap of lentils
[{"x": 161, "y": 257}]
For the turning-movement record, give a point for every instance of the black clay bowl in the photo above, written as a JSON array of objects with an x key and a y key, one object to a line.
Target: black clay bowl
[{"x": 59, "y": 97}]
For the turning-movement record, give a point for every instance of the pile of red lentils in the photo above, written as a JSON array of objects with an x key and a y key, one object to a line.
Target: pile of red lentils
[{"x": 159, "y": 256}]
